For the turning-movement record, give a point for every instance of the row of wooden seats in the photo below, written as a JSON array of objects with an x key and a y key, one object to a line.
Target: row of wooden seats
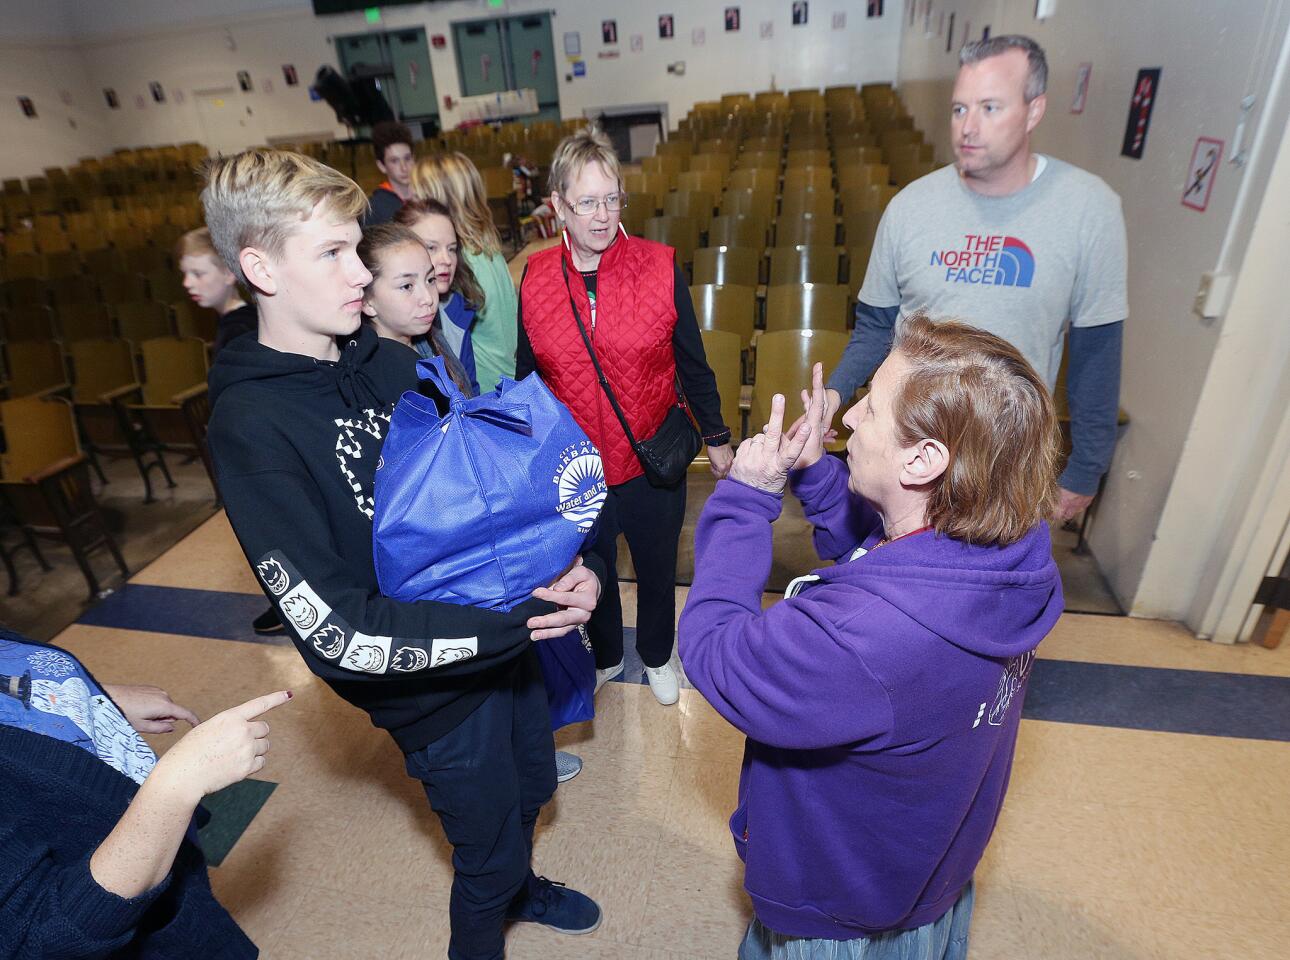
[
  {"x": 738, "y": 308},
  {"x": 135, "y": 398},
  {"x": 101, "y": 262},
  {"x": 781, "y": 363},
  {"x": 163, "y": 285},
  {"x": 86, "y": 231},
  {"x": 134, "y": 320},
  {"x": 45, "y": 488}
]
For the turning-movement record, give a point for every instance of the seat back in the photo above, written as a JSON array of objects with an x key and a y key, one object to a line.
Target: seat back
[
  {"x": 726, "y": 307},
  {"x": 725, "y": 359},
  {"x": 171, "y": 365},
  {"x": 101, "y": 365},
  {"x": 141, "y": 320},
  {"x": 194, "y": 321},
  {"x": 728, "y": 265},
  {"x": 803, "y": 264},
  {"x": 38, "y": 432},
  {"x": 27, "y": 322},
  {"x": 784, "y": 361},
  {"x": 741, "y": 230},
  {"x": 807, "y": 306},
  {"x": 808, "y": 227},
  {"x": 695, "y": 204},
  {"x": 34, "y": 365},
  {"x": 681, "y": 233}
]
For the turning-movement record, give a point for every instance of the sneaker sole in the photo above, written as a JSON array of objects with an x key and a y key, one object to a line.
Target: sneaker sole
[{"x": 572, "y": 933}]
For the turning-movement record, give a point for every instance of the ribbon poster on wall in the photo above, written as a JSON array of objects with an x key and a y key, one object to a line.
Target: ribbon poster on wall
[
  {"x": 1201, "y": 173},
  {"x": 608, "y": 31},
  {"x": 1145, "y": 91},
  {"x": 1081, "y": 87},
  {"x": 732, "y": 19},
  {"x": 666, "y": 27}
]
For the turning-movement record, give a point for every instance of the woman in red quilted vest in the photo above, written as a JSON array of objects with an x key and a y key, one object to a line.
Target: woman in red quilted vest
[{"x": 634, "y": 306}]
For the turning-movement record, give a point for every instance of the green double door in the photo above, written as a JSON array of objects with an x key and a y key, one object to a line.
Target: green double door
[
  {"x": 509, "y": 53},
  {"x": 404, "y": 59}
]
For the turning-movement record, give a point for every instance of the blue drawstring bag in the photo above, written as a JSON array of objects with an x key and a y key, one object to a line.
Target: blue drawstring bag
[{"x": 484, "y": 504}]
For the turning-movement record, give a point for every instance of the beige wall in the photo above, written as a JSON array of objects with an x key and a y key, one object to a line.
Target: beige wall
[
  {"x": 68, "y": 123},
  {"x": 199, "y": 45},
  {"x": 1212, "y": 55}
]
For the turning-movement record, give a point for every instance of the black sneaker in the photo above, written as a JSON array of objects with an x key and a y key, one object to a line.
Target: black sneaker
[
  {"x": 268, "y": 624},
  {"x": 556, "y": 906}
]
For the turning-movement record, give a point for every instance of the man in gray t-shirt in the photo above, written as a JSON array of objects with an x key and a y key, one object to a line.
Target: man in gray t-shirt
[{"x": 1016, "y": 243}]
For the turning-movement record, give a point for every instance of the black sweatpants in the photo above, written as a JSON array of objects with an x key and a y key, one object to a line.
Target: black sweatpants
[
  {"x": 651, "y": 519},
  {"x": 488, "y": 780}
]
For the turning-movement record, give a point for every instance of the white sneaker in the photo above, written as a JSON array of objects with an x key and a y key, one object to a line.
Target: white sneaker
[
  {"x": 662, "y": 680},
  {"x": 607, "y": 674}
]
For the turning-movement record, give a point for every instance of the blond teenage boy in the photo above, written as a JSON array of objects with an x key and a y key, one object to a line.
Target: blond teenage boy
[{"x": 299, "y": 416}]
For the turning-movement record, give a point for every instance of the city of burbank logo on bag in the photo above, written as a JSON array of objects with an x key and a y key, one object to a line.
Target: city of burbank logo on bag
[{"x": 580, "y": 483}]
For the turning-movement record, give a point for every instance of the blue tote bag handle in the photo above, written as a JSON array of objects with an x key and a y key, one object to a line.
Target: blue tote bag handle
[{"x": 515, "y": 417}]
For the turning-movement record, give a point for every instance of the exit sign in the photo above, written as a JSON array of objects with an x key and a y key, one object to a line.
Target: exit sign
[{"x": 373, "y": 14}]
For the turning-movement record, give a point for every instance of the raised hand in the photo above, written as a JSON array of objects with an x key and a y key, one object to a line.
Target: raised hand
[
  {"x": 228, "y": 747},
  {"x": 763, "y": 461},
  {"x": 819, "y": 406}
]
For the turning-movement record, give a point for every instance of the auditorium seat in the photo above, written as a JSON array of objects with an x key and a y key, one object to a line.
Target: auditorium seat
[
  {"x": 803, "y": 264},
  {"x": 728, "y": 265},
  {"x": 726, "y": 307},
  {"x": 807, "y": 306}
]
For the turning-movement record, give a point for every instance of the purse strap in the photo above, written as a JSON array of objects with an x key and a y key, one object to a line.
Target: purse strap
[{"x": 600, "y": 374}]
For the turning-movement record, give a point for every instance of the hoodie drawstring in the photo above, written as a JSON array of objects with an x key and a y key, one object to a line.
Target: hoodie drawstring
[{"x": 355, "y": 384}]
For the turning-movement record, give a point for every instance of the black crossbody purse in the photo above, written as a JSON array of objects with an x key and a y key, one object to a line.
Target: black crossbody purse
[{"x": 665, "y": 456}]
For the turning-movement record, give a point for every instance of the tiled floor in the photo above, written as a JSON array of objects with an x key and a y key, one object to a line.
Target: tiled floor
[{"x": 1115, "y": 842}]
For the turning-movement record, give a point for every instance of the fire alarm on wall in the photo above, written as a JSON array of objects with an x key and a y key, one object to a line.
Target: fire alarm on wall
[{"x": 438, "y": 41}]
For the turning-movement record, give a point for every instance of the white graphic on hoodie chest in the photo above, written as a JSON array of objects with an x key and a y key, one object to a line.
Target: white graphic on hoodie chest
[{"x": 358, "y": 446}]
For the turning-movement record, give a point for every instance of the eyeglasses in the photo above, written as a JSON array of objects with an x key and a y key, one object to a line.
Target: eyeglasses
[{"x": 589, "y": 205}]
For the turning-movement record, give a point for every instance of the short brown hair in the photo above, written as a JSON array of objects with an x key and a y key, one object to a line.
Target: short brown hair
[
  {"x": 386, "y": 134},
  {"x": 256, "y": 197},
  {"x": 975, "y": 393},
  {"x": 588, "y": 145},
  {"x": 463, "y": 280}
]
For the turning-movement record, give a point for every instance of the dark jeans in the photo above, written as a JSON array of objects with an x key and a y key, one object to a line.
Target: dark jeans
[
  {"x": 487, "y": 780},
  {"x": 651, "y": 519}
]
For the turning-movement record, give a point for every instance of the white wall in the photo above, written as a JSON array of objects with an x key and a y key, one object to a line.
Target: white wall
[
  {"x": 1211, "y": 55},
  {"x": 69, "y": 122},
  {"x": 185, "y": 45}
]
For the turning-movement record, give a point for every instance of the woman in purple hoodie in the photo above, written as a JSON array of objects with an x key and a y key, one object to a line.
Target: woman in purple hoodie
[{"x": 881, "y": 697}]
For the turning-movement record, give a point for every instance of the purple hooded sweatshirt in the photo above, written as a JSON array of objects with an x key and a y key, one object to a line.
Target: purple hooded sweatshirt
[{"x": 881, "y": 702}]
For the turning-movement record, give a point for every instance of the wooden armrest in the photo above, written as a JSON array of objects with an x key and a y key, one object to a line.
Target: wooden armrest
[
  {"x": 48, "y": 392},
  {"x": 55, "y": 468},
  {"x": 196, "y": 390},
  {"x": 120, "y": 392}
]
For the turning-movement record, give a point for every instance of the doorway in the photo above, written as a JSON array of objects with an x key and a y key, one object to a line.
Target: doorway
[
  {"x": 399, "y": 62},
  {"x": 509, "y": 53}
]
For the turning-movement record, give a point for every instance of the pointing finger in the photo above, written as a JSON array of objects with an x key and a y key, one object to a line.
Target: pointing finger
[{"x": 253, "y": 708}]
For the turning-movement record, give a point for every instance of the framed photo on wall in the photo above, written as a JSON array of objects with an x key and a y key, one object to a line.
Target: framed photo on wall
[
  {"x": 732, "y": 19},
  {"x": 609, "y": 31},
  {"x": 666, "y": 27},
  {"x": 799, "y": 13}
]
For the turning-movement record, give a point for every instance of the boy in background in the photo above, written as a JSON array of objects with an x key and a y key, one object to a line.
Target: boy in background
[{"x": 393, "y": 145}]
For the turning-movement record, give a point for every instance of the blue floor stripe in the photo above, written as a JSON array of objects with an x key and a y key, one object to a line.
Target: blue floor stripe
[
  {"x": 193, "y": 613},
  {"x": 1098, "y": 694},
  {"x": 1156, "y": 698}
]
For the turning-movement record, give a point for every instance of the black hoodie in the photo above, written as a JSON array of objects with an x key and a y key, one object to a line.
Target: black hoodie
[{"x": 295, "y": 442}]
